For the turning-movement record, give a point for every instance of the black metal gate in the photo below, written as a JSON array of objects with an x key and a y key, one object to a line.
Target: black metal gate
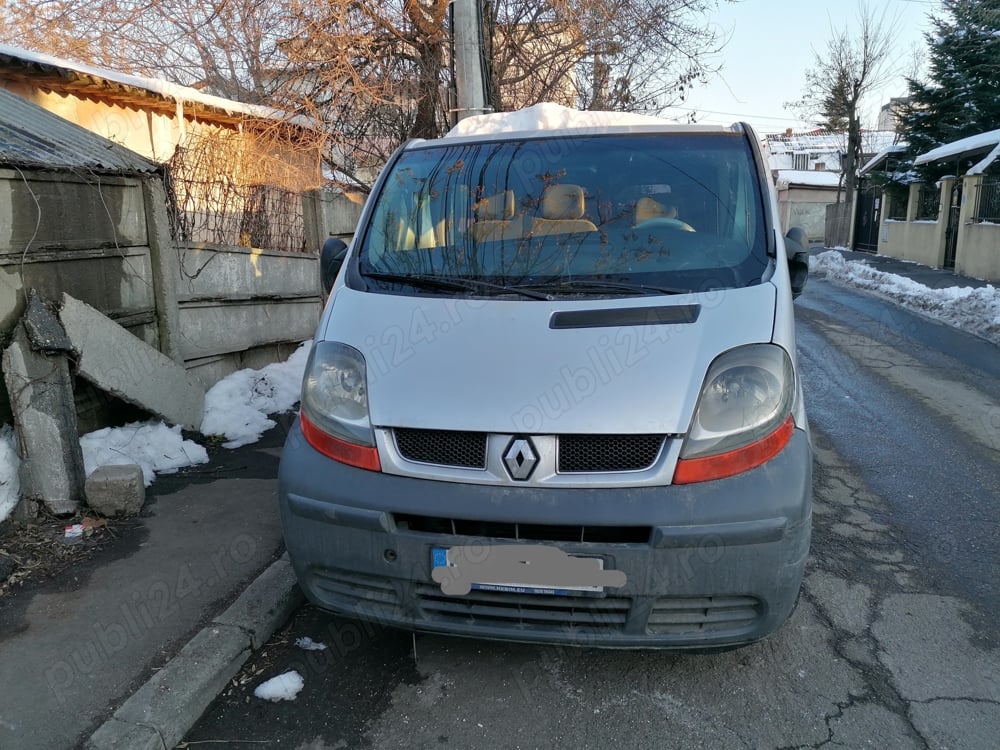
[
  {"x": 866, "y": 224},
  {"x": 951, "y": 232}
]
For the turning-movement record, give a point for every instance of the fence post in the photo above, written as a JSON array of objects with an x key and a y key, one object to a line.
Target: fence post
[
  {"x": 971, "y": 186},
  {"x": 166, "y": 273},
  {"x": 312, "y": 221},
  {"x": 913, "y": 204}
]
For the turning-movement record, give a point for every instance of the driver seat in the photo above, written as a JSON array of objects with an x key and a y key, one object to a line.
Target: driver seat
[{"x": 647, "y": 208}]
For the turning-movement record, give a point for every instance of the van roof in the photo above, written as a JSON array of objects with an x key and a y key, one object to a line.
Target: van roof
[{"x": 549, "y": 120}]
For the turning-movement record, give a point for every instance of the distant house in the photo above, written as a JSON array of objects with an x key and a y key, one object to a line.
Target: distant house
[
  {"x": 889, "y": 114},
  {"x": 807, "y": 171},
  {"x": 803, "y": 197},
  {"x": 237, "y": 171},
  {"x": 806, "y": 151}
]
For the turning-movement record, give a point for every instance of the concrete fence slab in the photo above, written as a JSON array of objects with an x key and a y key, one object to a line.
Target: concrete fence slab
[{"x": 117, "y": 362}]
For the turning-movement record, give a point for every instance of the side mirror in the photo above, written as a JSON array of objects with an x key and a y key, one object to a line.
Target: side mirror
[
  {"x": 331, "y": 258},
  {"x": 797, "y": 250}
]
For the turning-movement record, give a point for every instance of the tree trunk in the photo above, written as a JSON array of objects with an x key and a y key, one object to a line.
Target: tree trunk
[
  {"x": 849, "y": 169},
  {"x": 426, "y": 123}
]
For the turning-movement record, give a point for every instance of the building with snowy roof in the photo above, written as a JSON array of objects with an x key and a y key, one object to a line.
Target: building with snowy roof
[
  {"x": 113, "y": 197},
  {"x": 955, "y": 222},
  {"x": 237, "y": 170}
]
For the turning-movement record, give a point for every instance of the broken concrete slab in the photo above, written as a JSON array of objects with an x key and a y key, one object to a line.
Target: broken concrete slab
[
  {"x": 45, "y": 332},
  {"x": 117, "y": 362},
  {"x": 41, "y": 395},
  {"x": 116, "y": 490}
]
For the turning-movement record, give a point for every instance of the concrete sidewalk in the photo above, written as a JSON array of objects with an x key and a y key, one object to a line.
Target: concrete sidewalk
[{"x": 74, "y": 648}]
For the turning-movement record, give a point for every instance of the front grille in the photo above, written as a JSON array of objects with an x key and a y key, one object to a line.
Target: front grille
[
  {"x": 363, "y": 594},
  {"x": 442, "y": 447},
  {"x": 526, "y": 612},
  {"x": 607, "y": 453},
  {"x": 685, "y": 615},
  {"x": 528, "y": 531}
]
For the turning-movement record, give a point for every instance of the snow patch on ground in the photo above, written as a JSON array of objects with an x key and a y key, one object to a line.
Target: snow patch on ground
[
  {"x": 308, "y": 644},
  {"x": 9, "y": 463},
  {"x": 156, "y": 448},
  {"x": 237, "y": 406},
  {"x": 976, "y": 310},
  {"x": 284, "y": 687},
  {"x": 548, "y": 116}
]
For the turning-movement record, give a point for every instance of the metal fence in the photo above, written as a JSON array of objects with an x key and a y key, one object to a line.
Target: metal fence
[
  {"x": 928, "y": 202},
  {"x": 224, "y": 193},
  {"x": 899, "y": 201},
  {"x": 988, "y": 205}
]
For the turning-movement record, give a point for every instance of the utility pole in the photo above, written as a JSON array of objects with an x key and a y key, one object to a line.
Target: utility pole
[{"x": 469, "y": 88}]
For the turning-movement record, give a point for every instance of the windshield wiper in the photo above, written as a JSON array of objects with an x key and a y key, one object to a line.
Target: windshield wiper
[
  {"x": 429, "y": 281},
  {"x": 595, "y": 286}
]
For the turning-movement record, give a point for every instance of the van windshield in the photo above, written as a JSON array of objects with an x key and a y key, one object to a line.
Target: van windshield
[{"x": 586, "y": 214}]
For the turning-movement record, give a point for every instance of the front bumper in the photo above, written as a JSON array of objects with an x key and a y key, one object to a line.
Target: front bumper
[{"x": 721, "y": 564}]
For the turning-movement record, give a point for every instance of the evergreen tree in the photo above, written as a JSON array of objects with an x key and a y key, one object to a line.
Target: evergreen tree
[
  {"x": 835, "y": 111},
  {"x": 962, "y": 94}
]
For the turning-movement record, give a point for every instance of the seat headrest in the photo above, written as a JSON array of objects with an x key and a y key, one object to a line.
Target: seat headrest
[
  {"x": 563, "y": 202},
  {"x": 647, "y": 208},
  {"x": 499, "y": 207}
]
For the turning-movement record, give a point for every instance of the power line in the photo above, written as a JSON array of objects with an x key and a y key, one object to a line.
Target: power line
[{"x": 695, "y": 110}]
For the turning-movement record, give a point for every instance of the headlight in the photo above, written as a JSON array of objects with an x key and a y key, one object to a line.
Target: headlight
[
  {"x": 747, "y": 394},
  {"x": 335, "y": 392}
]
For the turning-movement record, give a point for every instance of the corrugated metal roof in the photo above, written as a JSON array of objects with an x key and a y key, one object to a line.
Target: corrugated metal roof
[{"x": 33, "y": 137}]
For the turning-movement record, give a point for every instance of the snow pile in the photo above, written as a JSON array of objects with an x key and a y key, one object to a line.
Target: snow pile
[
  {"x": 284, "y": 687},
  {"x": 308, "y": 644},
  {"x": 156, "y": 448},
  {"x": 237, "y": 406},
  {"x": 548, "y": 116},
  {"x": 971, "y": 309},
  {"x": 9, "y": 463}
]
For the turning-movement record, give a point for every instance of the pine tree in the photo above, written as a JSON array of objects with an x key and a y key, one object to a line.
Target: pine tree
[
  {"x": 835, "y": 112},
  {"x": 962, "y": 94}
]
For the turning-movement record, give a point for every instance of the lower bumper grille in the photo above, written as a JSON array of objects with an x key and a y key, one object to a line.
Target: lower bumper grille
[
  {"x": 366, "y": 595},
  {"x": 525, "y": 611},
  {"x": 687, "y": 615},
  {"x": 523, "y": 531}
]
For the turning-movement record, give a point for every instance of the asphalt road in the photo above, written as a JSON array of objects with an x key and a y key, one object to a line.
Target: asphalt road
[{"x": 895, "y": 643}]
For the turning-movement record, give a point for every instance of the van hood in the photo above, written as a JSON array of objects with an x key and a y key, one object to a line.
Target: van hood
[{"x": 499, "y": 365}]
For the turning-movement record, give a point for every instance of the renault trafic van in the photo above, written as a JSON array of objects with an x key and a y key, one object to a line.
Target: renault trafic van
[{"x": 553, "y": 396}]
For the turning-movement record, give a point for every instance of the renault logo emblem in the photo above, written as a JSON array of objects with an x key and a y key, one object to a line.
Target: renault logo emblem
[{"x": 520, "y": 458}]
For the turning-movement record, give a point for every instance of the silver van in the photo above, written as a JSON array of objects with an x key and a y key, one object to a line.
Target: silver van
[{"x": 553, "y": 396}]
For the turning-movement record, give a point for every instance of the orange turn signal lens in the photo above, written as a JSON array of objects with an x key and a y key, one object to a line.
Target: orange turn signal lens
[
  {"x": 691, "y": 470},
  {"x": 361, "y": 456}
]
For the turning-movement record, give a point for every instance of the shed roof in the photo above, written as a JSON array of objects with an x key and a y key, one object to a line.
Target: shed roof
[
  {"x": 987, "y": 144},
  {"x": 83, "y": 78},
  {"x": 30, "y": 136},
  {"x": 804, "y": 178},
  {"x": 881, "y": 157}
]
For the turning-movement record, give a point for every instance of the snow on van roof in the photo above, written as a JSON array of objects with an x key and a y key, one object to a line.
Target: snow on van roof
[{"x": 549, "y": 116}]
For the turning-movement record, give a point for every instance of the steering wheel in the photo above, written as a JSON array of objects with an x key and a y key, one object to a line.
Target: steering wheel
[{"x": 663, "y": 221}]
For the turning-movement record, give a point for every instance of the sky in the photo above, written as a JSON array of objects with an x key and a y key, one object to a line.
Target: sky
[{"x": 771, "y": 45}]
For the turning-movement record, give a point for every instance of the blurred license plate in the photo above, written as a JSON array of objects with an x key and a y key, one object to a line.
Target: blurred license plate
[{"x": 455, "y": 561}]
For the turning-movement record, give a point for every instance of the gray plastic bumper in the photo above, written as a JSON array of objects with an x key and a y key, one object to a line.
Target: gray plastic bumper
[{"x": 722, "y": 563}]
